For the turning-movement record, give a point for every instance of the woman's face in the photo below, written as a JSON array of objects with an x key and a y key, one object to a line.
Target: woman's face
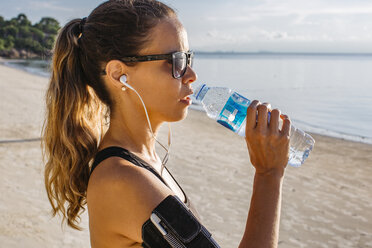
[{"x": 161, "y": 93}]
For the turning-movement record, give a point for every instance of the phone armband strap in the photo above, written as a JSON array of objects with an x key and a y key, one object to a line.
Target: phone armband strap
[{"x": 173, "y": 225}]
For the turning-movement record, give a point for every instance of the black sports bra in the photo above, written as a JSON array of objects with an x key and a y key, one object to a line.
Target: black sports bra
[{"x": 115, "y": 151}]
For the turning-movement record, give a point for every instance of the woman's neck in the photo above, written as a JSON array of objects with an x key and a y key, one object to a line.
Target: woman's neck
[{"x": 129, "y": 129}]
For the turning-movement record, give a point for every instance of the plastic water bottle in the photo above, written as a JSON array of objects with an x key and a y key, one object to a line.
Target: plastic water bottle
[{"x": 229, "y": 109}]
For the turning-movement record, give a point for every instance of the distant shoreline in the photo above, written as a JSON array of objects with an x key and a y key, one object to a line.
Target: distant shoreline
[
  {"x": 15, "y": 63},
  {"x": 35, "y": 70},
  {"x": 268, "y": 53},
  {"x": 258, "y": 53}
]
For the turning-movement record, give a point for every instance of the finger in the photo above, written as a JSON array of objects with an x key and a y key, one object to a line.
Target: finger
[
  {"x": 262, "y": 116},
  {"x": 286, "y": 125},
  {"x": 268, "y": 105},
  {"x": 274, "y": 121},
  {"x": 251, "y": 115}
]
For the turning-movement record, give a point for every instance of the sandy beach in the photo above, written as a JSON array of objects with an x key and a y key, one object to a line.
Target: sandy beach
[{"x": 326, "y": 203}]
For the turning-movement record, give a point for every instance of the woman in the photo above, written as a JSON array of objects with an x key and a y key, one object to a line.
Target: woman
[{"x": 128, "y": 64}]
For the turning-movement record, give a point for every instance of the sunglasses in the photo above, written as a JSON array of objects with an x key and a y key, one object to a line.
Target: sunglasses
[{"x": 180, "y": 61}]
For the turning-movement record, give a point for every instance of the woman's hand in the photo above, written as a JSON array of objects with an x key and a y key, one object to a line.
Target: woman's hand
[{"x": 268, "y": 144}]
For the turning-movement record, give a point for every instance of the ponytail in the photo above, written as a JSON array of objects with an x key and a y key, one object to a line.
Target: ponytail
[{"x": 71, "y": 129}]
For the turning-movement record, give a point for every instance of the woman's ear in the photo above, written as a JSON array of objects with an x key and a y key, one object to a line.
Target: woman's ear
[{"x": 114, "y": 70}]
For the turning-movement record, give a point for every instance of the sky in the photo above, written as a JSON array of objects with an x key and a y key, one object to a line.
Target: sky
[{"x": 343, "y": 26}]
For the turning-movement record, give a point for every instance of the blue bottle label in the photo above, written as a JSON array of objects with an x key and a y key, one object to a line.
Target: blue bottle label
[{"x": 234, "y": 112}]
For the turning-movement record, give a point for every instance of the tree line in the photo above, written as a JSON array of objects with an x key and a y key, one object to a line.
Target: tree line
[{"x": 20, "y": 38}]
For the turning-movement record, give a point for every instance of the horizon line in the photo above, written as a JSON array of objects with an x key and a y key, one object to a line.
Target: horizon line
[{"x": 283, "y": 53}]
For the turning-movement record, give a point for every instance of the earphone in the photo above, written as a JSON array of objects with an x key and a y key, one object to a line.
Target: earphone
[{"x": 123, "y": 80}]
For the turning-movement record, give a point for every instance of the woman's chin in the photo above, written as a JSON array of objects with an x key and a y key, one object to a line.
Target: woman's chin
[{"x": 179, "y": 116}]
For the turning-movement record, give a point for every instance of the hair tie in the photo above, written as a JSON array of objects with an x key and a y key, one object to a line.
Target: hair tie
[
  {"x": 82, "y": 23},
  {"x": 81, "y": 26}
]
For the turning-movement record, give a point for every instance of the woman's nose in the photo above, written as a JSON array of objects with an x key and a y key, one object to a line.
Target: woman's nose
[{"x": 190, "y": 75}]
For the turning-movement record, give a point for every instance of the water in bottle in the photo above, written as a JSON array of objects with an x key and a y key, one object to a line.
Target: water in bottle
[{"x": 230, "y": 108}]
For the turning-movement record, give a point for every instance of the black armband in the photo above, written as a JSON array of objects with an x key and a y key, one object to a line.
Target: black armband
[{"x": 173, "y": 225}]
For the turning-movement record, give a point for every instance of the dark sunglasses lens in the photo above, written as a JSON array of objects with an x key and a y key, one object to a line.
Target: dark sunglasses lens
[{"x": 179, "y": 64}]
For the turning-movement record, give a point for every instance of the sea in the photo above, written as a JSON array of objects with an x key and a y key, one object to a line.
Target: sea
[{"x": 328, "y": 94}]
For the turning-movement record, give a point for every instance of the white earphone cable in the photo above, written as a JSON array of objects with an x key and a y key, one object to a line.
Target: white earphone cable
[{"x": 166, "y": 157}]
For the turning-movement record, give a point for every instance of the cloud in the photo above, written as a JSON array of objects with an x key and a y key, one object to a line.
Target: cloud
[
  {"x": 324, "y": 23},
  {"x": 49, "y": 5},
  {"x": 255, "y": 34},
  {"x": 299, "y": 10},
  {"x": 314, "y": 7}
]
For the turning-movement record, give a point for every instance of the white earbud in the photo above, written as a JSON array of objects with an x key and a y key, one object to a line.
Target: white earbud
[{"x": 123, "y": 80}]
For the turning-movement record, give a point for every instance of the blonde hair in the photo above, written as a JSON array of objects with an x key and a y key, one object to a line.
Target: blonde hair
[
  {"x": 77, "y": 101},
  {"x": 70, "y": 134}
]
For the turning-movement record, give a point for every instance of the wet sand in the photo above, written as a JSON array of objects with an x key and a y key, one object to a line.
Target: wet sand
[{"x": 326, "y": 203}]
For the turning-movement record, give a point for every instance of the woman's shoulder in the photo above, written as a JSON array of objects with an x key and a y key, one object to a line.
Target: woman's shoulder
[
  {"x": 115, "y": 173},
  {"x": 121, "y": 196}
]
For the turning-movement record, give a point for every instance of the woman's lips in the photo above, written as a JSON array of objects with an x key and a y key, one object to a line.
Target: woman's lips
[{"x": 187, "y": 100}]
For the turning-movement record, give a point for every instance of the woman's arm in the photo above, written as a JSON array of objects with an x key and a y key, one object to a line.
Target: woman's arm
[
  {"x": 121, "y": 197},
  {"x": 262, "y": 227},
  {"x": 268, "y": 147}
]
